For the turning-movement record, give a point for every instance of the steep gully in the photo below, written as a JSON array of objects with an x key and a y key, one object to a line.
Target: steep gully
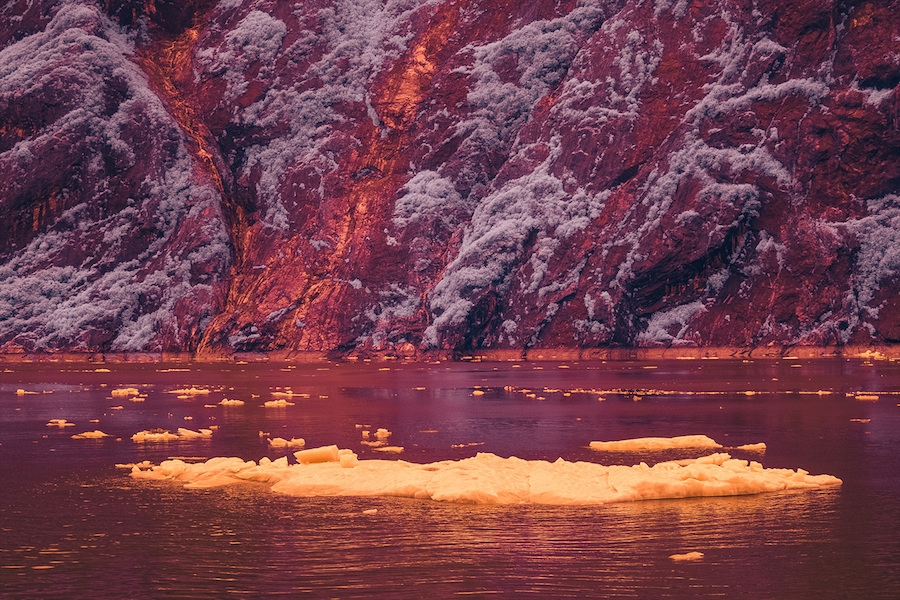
[{"x": 375, "y": 170}]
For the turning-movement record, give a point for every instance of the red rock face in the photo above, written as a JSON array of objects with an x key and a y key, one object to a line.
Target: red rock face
[{"x": 402, "y": 176}]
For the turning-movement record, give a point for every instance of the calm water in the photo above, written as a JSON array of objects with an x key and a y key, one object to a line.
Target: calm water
[{"x": 72, "y": 525}]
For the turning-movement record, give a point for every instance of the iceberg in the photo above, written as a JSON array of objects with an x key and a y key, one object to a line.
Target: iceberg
[{"x": 489, "y": 479}]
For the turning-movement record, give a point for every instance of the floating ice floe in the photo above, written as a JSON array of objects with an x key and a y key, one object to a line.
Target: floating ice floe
[
  {"x": 278, "y": 442},
  {"x": 125, "y": 392},
  {"x": 289, "y": 394},
  {"x": 191, "y": 391},
  {"x": 760, "y": 447},
  {"x": 59, "y": 423},
  {"x": 162, "y": 435},
  {"x": 277, "y": 403},
  {"x": 687, "y": 556},
  {"x": 90, "y": 435},
  {"x": 227, "y": 402},
  {"x": 490, "y": 479},
  {"x": 657, "y": 443}
]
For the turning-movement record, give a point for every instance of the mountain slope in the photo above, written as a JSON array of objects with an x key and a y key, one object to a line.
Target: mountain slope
[{"x": 400, "y": 176}]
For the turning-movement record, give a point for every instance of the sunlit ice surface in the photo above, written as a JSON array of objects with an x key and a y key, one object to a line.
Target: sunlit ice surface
[
  {"x": 71, "y": 517},
  {"x": 490, "y": 479}
]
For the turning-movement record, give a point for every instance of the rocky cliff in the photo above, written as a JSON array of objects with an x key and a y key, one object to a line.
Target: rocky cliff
[{"x": 398, "y": 176}]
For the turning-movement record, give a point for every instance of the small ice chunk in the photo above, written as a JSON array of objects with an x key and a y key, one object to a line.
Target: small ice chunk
[
  {"x": 370, "y": 511},
  {"x": 227, "y": 402},
  {"x": 59, "y": 423},
  {"x": 189, "y": 434},
  {"x": 318, "y": 455},
  {"x": 153, "y": 435},
  {"x": 657, "y": 443},
  {"x": 90, "y": 435},
  {"x": 393, "y": 449},
  {"x": 163, "y": 435},
  {"x": 146, "y": 464},
  {"x": 760, "y": 447},
  {"x": 277, "y": 403},
  {"x": 687, "y": 556},
  {"x": 125, "y": 392},
  {"x": 191, "y": 391},
  {"x": 279, "y": 442}
]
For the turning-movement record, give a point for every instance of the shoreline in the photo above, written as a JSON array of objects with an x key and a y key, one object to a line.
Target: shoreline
[{"x": 872, "y": 352}]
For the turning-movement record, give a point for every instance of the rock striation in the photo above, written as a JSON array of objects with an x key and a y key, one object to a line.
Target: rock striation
[{"x": 405, "y": 176}]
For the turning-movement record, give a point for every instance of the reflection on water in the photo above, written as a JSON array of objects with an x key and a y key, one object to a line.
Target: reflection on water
[{"x": 72, "y": 525}]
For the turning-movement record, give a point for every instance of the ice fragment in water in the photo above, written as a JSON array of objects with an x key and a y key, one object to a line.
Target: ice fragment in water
[
  {"x": 490, "y": 479},
  {"x": 318, "y": 455},
  {"x": 657, "y": 443},
  {"x": 283, "y": 443},
  {"x": 125, "y": 392},
  {"x": 760, "y": 447},
  {"x": 162, "y": 435},
  {"x": 191, "y": 391},
  {"x": 87, "y": 435},
  {"x": 687, "y": 556},
  {"x": 277, "y": 403}
]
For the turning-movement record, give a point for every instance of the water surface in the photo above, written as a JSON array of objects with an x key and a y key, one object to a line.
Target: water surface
[{"x": 74, "y": 525}]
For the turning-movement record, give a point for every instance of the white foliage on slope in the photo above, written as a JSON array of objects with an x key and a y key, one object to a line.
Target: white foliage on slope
[
  {"x": 42, "y": 295},
  {"x": 429, "y": 197},
  {"x": 878, "y": 257},
  {"x": 396, "y": 303},
  {"x": 676, "y": 7},
  {"x": 663, "y": 321},
  {"x": 257, "y": 37},
  {"x": 537, "y": 203},
  {"x": 695, "y": 159},
  {"x": 494, "y": 239},
  {"x": 543, "y": 51},
  {"x": 360, "y": 36},
  {"x": 492, "y": 245}
]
